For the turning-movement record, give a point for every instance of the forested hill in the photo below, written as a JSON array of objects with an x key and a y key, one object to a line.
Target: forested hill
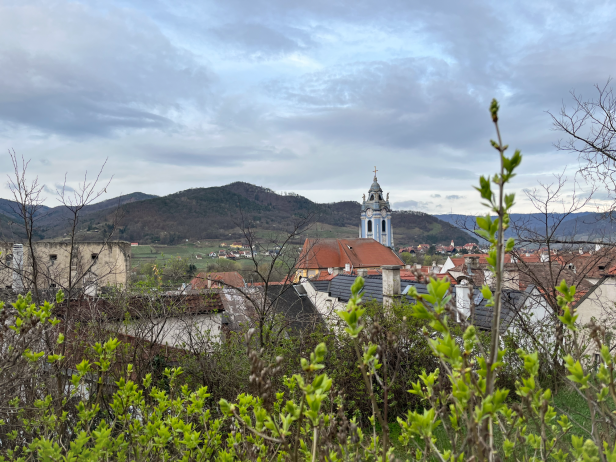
[{"x": 214, "y": 213}]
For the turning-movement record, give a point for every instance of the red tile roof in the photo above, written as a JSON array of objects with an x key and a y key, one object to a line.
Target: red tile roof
[
  {"x": 336, "y": 253},
  {"x": 457, "y": 261},
  {"x": 230, "y": 278}
]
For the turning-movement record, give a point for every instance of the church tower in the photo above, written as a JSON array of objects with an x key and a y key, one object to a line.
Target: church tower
[{"x": 376, "y": 216}]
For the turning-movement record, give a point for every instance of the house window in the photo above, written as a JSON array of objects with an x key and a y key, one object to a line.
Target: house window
[
  {"x": 384, "y": 225},
  {"x": 52, "y": 286},
  {"x": 369, "y": 226},
  {"x": 53, "y": 258}
]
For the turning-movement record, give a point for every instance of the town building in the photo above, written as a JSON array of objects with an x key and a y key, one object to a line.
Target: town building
[
  {"x": 87, "y": 265},
  {"x": 391, "y": 286}
]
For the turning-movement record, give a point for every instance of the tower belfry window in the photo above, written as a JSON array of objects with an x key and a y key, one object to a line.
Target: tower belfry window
[
  {"x": 384, "y": 226},
  {"x": 371, "y": 197},
  {"x": 369, "y": 226}
]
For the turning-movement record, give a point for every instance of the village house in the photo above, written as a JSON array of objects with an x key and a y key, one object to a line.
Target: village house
[{"x": 392, "y": 286}]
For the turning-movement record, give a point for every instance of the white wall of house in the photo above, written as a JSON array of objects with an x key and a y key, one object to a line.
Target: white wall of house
[
  {"x": 174, "y": 331},
  {"x": 600, "y": 304},
  {"x": 447, "y": 266},
  {"x": 325, "y": 305}
]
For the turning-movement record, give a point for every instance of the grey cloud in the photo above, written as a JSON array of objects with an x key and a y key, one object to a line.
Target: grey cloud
[
  {"x": 87, "y": 73},
  {"x": 435, "y": 195},
  {"x": 57, "y": 188},
  {"x": 223, "y": 156},
  {"x": 412, "y": 205},
  {"x": 401, "y": 103},
  {"x": 66, "y": 187},
  {"x": 49, "y": 190},
  {"x": 260, "y": 40},
  {"x": 454, "y": 197}
]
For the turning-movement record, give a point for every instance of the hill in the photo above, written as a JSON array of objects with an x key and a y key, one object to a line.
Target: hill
[
  {"x": 216, "y": 212},
  {"x": 52, "y": 222},
  {"x": 589, "y": 226}
]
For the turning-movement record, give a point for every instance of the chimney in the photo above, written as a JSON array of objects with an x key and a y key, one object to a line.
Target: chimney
[
  {"x": 391, "y": 284},
  {"x": 18, "y": 267},
  {"x": 471, "y": 263},
  {"x": 335, "y": 271},
  {"x": 463, "y": 301},
  {"x": 363, "y": 272}
]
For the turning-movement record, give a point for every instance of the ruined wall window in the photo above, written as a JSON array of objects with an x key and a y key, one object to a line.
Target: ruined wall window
[
  {"x": 53, "y": 258},
  {"x": 9, "y": 258},
  {"x": 383, "y": 227},
  {"x": 369, "y": 226},
  {"x": 94, "y": 257}
]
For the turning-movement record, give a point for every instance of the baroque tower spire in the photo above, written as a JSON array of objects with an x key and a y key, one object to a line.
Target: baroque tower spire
[{"x": 376, "y": 215}]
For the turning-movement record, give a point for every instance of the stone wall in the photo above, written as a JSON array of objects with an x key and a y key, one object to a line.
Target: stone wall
[{"x": 94, "y": 265}]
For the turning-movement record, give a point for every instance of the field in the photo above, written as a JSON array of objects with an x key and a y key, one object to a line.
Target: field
[
  {"x": 192, "y": 250},
  {"x": 188, "y": 251}
]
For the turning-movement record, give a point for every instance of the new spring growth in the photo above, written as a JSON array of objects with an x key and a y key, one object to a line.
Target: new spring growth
[{"x": 353, "y": 312}]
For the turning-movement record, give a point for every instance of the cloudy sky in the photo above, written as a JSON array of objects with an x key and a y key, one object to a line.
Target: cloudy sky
[{"x": 305, "y": 96}]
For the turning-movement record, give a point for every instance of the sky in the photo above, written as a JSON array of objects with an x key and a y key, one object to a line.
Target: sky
[{"x": 297, "y": 96}]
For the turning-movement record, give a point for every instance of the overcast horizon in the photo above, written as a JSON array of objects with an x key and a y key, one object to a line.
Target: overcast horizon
[{"x": 305, "y": 97}]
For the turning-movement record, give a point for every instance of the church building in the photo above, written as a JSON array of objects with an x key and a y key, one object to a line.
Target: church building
[
  {"x": 325, "y": 258},
  {"x": 376, "y": 216}
]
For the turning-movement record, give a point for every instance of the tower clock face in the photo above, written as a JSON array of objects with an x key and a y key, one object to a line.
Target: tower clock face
[
  {"x": 369, "y": 213},
  {"x": 383, "y": 213}
]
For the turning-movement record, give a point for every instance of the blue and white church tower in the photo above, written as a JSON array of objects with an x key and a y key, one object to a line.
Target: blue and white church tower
[{"x": 376, "y": 216}]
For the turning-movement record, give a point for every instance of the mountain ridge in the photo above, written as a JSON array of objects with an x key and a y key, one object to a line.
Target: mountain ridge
[{"x": 216, "y": 212}]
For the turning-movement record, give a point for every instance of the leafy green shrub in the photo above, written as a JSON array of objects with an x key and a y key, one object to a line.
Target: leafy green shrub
[{"x": 465, "y": 411}]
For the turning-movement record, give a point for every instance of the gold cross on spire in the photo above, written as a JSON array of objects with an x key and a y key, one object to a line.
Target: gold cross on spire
[{"x": 375, "y": 170}]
